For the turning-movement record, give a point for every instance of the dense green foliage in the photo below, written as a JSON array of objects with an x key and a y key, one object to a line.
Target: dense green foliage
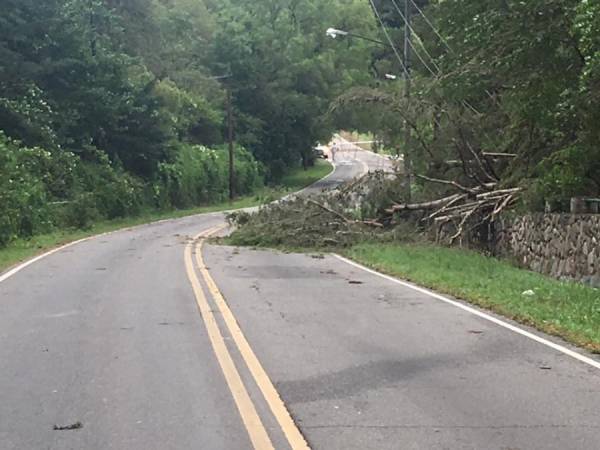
[
  {"x": 200, "y": 175},
  {"x": 285, "y": 70},
  {"x": 110, "y": 107},
  {"x": 33, "y": 180}
]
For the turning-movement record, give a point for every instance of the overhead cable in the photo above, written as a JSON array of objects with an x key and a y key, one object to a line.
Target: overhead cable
[
  {"x": 437, "y": 33},
  {"x": 389, "y": 39},
  {"x": 413, "y": 32}
]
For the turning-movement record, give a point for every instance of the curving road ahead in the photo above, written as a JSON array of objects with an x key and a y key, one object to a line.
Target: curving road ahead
[
  {"x": 288, "y": 351},
  {"x": 107, "y": 333}
]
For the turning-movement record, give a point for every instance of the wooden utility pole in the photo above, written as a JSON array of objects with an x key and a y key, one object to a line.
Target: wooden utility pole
[
  {"x": 407, "y": 85},
  {"x": 93, "y": 38},
  {"x": 230, "y": 139}
]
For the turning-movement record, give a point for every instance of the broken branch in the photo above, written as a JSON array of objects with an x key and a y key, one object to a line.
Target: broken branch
[{"x": 329, "y": 210}]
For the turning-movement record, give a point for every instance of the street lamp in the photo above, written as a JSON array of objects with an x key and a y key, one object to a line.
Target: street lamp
[{"x": 334, "y": 33}]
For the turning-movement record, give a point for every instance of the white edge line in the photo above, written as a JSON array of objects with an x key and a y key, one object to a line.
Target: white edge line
[
  {"x": 27, "y": 263},
  {"x": 6, "y": 275},
  {"x": 578, "y": 356}
]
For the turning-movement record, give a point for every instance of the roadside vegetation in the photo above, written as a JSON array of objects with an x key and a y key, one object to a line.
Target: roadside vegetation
[
  {"x": 111, "y": 109},
  {"x": 21, "y": 249},
  {"x": 503, "y": 107}
]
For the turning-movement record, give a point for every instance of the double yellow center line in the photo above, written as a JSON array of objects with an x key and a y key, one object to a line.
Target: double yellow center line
[{"x": 252, "y": 421}]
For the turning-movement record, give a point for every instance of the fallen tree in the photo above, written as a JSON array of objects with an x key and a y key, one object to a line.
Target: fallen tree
[
  {"x": 472, "y": 208},
  {"x": 336, "y": 218},
  {"x": 365, "y": 209}
]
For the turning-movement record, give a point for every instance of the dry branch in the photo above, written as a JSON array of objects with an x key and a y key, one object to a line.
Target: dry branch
[
  {"x": 499, "y": 192},
  {"x": 446, "y": 207},
  {"x": 450, "y": 183},
  {"x": 499, "y": 155},
  {"x": 500, "y": 207},
  {"x": 480, "y": 164},
  {"x": 329, "y": 210},
  {"x": 422, "y": 206},
  {"x": 459, "y": 231}
]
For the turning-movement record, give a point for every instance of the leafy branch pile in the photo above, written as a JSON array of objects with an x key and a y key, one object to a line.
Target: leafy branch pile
[
  {"x": 336, "y": 218},
  {"x": 459, "y": 214},
  {"x": 366, "y": 209}
]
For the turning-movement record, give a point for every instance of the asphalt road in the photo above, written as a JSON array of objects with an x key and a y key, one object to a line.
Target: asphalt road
[
  {"x": 365, "y": 363},
  {"x": 107, "y": 334}
]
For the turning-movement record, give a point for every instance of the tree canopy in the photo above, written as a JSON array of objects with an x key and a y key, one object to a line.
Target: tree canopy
[{"x": 495, "y": 77}]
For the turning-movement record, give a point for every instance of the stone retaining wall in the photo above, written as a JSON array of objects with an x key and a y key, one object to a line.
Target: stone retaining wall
[{"x": 565, "y": 246}]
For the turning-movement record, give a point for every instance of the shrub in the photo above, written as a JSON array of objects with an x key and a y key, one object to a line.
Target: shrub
[
  {"x": 567, "y": 173},
  {"x": 23, "y": 210},
  {"x": 200, "y": 175},
  {"x": 40, "y": 190}
]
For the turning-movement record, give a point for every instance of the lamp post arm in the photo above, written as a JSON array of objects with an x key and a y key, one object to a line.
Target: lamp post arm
[{"x": 364, "y": 38}]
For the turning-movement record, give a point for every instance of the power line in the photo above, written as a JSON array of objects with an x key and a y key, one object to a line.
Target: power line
[
  {"x": 422, "y": 61},
  {"x": 411, "y": 29},
  {"x": 400, "y": 60},
  {"x": 426, "y": 52},
  {"x": 464, "y": 102},
  {"x": 447, "y": 46},
  {"x": 432, "y": 26}
]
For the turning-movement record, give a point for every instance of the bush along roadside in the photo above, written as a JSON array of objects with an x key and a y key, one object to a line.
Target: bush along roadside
[
  {"x": 84, "y": 224},
  {"x": 42, "y": 191}
]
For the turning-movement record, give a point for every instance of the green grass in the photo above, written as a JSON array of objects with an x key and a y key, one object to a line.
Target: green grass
[
  {"x": 299, "y": 178},
  {"x": 568, "y": 310},
  {"x": 21, "y": 249}
]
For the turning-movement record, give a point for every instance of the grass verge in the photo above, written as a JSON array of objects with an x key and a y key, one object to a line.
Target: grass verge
[
  {"x": 300, "y": 178},
  {"x": 21, "y": 249},
  {"x": 568, "y": 310}
]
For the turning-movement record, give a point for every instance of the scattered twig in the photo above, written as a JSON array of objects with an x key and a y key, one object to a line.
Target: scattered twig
[
  {"x": 74, "y": 426},
  {"x": 329, "y": 210},
  {"x": 499, "y": 155},
  {"x": 450, "y": 183}
]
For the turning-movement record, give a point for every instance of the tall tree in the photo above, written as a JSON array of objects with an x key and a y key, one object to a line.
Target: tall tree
[{"x": 284, "y": 71}]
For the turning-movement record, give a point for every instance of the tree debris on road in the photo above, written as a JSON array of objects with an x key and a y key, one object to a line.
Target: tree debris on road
[
  {"x": 74, "y": 426},
  {"x": 367, "y": 208}
]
